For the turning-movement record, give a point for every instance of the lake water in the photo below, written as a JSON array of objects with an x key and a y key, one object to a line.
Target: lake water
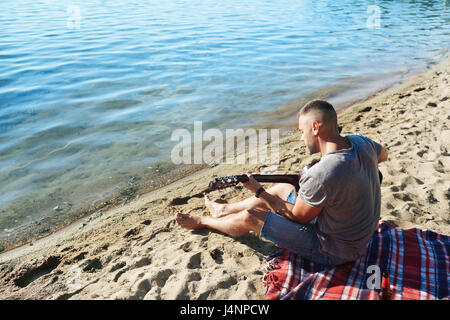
[{"x": 90, "y": 91}]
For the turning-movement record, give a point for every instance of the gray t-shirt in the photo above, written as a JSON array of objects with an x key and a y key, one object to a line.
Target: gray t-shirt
[{"x": 346, "y": 184}]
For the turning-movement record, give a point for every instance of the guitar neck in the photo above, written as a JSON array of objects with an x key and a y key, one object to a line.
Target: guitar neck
[{"x": 275, "y": 178}]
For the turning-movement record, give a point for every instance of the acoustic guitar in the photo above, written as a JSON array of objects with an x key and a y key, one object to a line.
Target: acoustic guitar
[{"x": 231, "y": 181}]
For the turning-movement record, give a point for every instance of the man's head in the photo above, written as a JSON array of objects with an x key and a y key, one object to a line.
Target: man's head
[{"x": 317, "y": 121}]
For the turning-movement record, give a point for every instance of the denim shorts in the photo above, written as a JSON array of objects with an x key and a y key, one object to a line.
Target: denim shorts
[{"x": 299, "y": 238}]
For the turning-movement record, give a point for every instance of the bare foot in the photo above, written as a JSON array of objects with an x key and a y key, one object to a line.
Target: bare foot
[
  {"x": 186, "y": 221},
  {"x": 216, "y": 209}
]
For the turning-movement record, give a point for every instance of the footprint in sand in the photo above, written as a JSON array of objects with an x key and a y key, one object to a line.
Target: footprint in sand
[
  {"x": 229, "y": 282},
  {"x": 406, "y": 197},
  {"x": 92, "y": 265},
  {"x": 186, "y": 247},
  {"x": 401, "y": 96},
  {"x": 195, "y": 261},
  {"x": 132, "y": 232},
  {"x": 78, "y": 257},
  {"x": 33, "y": 273},
  {"x": 430, "y": 197},
  {"x": 118, "y": 266},
  {"x": 421, "y": 153},
  {"x": 144, "y": 286},
  {"x": 142, "y": 263},
  {"x": 217, "y": 255}
]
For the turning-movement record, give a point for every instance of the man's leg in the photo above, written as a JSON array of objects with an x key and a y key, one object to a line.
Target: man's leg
[
  {"x": 301, "y": 239},
  {"x": 280, "y": 190},
  {"x": 235, "y": 225}
]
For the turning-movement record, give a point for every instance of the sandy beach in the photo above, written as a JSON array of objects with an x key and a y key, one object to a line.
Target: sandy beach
[{"x": 136, "y": 250}]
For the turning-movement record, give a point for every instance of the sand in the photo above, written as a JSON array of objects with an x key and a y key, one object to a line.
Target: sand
[{"x": 136, "y": 250}]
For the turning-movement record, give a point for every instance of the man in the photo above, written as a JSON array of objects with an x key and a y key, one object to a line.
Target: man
[{"x": 337, "y": 208}]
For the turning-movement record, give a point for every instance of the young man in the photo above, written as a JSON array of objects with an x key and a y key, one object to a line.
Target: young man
[{"x": 337, "y": 208}]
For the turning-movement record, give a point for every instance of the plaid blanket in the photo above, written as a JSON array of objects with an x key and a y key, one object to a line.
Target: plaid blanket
[{"x": 417, "y": 261}]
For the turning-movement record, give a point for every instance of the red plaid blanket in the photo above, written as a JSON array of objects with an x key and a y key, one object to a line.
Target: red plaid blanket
[{"x": 417, "y": 260}]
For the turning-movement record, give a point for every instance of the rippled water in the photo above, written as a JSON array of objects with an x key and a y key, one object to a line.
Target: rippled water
[{"x": 90, "y": 91}]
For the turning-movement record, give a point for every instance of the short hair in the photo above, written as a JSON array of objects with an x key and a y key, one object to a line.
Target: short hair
[{"x": 324, "y": 110}]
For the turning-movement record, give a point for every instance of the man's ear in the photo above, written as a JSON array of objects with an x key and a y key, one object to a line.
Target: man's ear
[{"x": 315, "y": 127}]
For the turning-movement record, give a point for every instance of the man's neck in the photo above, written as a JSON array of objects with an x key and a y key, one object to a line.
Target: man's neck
[{"x": 334, "y": 144}]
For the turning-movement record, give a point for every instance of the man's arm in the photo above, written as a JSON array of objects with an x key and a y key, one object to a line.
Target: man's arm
[
  {"x": 383, "y": 155},
  {"x": 300, "y": 212},
  {"x": 303, "y": 212},
  {"x": 283, "y": 208},
  {"x": 276, "y": 204}
]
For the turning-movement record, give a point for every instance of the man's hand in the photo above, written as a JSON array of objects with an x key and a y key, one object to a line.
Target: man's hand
[{"x": 252, "y": 184}]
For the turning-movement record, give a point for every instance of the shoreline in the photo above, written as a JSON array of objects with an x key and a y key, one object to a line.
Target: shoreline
[
  {"x": 39, "y": 229},
  {"x": 13, "y": 253},
  {"x": 136, "y": 251}
]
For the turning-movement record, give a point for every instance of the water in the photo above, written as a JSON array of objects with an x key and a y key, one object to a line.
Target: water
[{"x": 90, "y": 91}]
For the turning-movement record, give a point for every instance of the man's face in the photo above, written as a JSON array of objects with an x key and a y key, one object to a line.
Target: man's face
[{"x": 306, "y": 128}]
